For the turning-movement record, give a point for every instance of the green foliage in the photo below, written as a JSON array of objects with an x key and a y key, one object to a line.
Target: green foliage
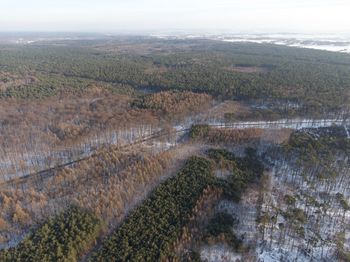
[
  {"x": 294, "y": 75},
  {"x": 290, "y": 200},
  {"x": 222, "y": 225},
  {"x": 342, "y": 253},
  {"x": 296, "y": 215},
  {"x": 316, "y": 80},
  {"x": 344, "y": 256},
  {"x": 191, "y": 256},
  {"x": 318, "y": 149},
  {"x": 149, "y": 231},
  {"x": 62, "y": 238},
  {"x": 218, "y": 154},
  {"x": 300, "y": 231},
  {"x": 50, "y": 84},
  {"x": 261, "y": 114},
  {"x": 199, "y": 131},
  {"x": 343, "y": 202},
  {"x": 250, "y": 163},
  {"x": 244, "y": 171}
]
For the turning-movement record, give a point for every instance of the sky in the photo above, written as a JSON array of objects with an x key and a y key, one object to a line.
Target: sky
[{"x": 297, "y": 16}]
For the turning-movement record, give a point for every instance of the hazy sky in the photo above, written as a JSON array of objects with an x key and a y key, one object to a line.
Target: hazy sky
[{"x": 318, "y": 16}]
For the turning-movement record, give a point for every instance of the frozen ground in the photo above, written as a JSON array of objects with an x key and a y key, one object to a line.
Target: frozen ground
[
  {"x": 293, "y": 215},
  {"x": 328, "y": 42},
  {"x": 219, "y": 253}
]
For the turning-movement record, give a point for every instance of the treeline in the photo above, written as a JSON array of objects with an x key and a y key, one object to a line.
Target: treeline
[
  {"x": 317, "y": 149},
  {"x": 63, "y": 238},
  {"x": 274, "y": 112},
  {"x": 224, "y": 135},
  {"x": 150, "y": 230},
  {"x": 50, "y": 84},
  {"x": 317, "y": 80}
]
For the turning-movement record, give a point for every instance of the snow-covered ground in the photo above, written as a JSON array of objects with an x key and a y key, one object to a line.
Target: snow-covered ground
[
  {"x": 36, "y": 160},
  {"x": 296, "y": 123},
  {"x": 219, "y": 253},
  {"x": 306, "y": 228},
  {"x": 313, "y": 238},
  {"x": 334, "y": 43},
  {"x": 328, "y": 42},
  {"x": 40, "y": 160}
]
